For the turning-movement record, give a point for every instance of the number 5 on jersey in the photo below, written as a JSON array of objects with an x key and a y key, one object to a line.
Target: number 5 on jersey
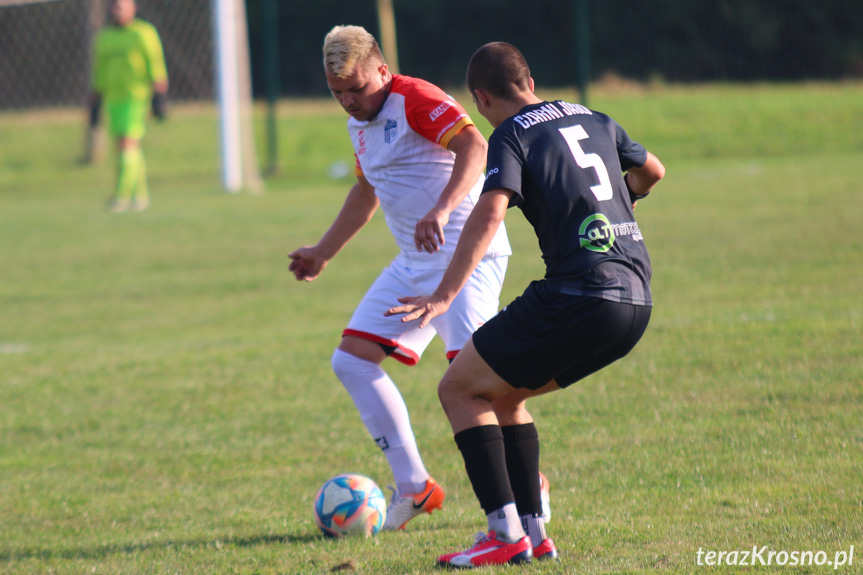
[{"x": 572, "y": 134}]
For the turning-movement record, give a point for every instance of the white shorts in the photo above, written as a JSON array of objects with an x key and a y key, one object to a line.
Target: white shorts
[{"x": 475, "y": 304}]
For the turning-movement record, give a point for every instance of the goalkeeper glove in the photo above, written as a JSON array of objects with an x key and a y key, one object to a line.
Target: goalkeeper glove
[
  {"x": 95, "y": 108},
  {"x": 160, "y": 105}
]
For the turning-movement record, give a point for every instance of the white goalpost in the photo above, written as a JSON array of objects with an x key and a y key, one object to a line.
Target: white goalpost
[
  {"x": 238, "y": 161},
  {"x": 227, "y": 89}
]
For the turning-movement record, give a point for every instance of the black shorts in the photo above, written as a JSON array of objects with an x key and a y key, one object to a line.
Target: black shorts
[{"x": 546, "y": 335}]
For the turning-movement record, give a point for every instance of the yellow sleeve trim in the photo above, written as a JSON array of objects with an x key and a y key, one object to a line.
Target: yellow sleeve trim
[{"x": 453, "y": 132}]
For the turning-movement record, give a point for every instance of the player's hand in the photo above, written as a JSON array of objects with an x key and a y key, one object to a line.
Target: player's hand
[
  {"x": 429, "y": 231},
  {"x": 95, "y": 109},
  {"x": 160, "y": 105},
  {"x": 424, "y": 308},
  {"x": 305, "y": 264}
]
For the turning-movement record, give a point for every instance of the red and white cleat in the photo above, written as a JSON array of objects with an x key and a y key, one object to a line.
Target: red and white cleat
[
  {"x": 545, "y": 551},
  {"x": 489, "y": 550}
]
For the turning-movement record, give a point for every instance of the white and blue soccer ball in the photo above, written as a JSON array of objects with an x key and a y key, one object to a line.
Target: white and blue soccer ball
[{"x": 350, "y": 504}]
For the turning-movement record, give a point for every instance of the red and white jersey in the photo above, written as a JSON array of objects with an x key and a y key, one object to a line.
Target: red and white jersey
[{"x": 402, "y": 153}]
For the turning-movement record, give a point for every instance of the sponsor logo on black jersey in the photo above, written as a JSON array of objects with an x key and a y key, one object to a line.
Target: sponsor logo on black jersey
[{"x": 596, "y": 233}]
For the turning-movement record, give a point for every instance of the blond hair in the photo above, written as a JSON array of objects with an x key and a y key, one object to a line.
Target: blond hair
[{"x": 347, "y": 46}]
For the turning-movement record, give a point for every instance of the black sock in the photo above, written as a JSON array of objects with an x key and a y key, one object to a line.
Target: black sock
[
  {"x": 485, "y": 461},
  {"x": 522, "y": 463}
]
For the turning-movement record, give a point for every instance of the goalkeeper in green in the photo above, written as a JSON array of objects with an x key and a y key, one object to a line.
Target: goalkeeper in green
[{"x": 129, "y": 77}]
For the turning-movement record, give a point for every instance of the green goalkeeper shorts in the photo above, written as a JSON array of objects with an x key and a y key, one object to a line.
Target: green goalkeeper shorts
[{"x": 127, "y": 119}]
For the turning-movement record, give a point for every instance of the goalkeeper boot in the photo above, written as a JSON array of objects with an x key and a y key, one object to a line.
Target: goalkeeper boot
[
  {"x": 140, "y": 203},
  {"x": 118, "y": 205}
]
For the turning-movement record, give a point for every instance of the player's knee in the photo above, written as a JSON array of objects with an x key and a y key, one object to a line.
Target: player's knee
[
  {"x": 348, "y": 366},
  {"x": 344, "y": 364},
  {"x": 339, "y": 363},
  {"x": 442, "y": 396},
  {"x": 448, "y": 392}
]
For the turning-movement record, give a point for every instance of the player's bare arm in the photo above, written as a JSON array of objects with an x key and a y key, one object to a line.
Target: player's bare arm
[
  {"x": 641, "y": 180},
  {"x": 469, "y": 148},
  {"x": 308, "y": 262},
  {"x": 478, "y": 232}
]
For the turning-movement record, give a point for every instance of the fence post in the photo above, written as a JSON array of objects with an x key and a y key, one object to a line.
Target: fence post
[
  {"x": 94, "y": 137},
  {"x": 387, "y": 21},
  {"x": 270, "y": 15},
  {"x": 582, "y": 48}
]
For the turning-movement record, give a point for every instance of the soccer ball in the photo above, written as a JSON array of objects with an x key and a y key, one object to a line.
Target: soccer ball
[{"x": 350, "y": 504}]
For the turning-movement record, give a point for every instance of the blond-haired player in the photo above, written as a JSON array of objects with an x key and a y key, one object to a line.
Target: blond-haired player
[{"x": 421, "y": 159}]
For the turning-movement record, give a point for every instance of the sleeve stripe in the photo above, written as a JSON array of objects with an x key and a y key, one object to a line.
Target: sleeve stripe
[{"x": 453, "y": 132}]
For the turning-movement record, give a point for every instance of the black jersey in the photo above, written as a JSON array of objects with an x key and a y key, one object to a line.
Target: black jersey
[{"x": 565, "y": 164}]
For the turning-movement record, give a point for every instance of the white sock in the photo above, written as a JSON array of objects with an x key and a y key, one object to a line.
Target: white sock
[
  {"x": 534, "y": 526},
  {"x": 385, "y": 416},
  {"x": 506, "y": 523}
]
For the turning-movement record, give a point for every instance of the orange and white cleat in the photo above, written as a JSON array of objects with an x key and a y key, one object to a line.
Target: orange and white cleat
[
  {"x": 404, "y": 508},
  {"x": 489, "y": 550}
]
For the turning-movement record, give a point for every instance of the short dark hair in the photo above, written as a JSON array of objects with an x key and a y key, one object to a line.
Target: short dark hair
[{"x": 499, "y": 69}]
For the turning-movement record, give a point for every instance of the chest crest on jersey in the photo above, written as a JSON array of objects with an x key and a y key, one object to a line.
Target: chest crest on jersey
[{"x": 391, "y": 131}]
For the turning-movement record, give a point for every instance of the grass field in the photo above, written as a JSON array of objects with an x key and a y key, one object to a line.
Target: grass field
[{"x": 167, "y": 405}]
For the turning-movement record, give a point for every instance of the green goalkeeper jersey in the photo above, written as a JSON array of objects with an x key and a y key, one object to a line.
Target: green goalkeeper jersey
[{"x": 128, "y": 60}]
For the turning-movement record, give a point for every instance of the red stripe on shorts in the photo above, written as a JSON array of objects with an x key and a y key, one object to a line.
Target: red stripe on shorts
[{"x": 401, "y": 354}]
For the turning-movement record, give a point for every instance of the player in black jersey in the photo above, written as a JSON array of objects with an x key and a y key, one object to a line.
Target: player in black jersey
[{"x": 562, "y": 165}]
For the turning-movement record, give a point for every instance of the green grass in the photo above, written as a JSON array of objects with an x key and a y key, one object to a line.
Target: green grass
[{"x": 167, "y": 405}]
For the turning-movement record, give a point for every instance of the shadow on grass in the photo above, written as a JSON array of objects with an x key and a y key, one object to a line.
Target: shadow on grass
[{"x": 103, "y": 551}]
